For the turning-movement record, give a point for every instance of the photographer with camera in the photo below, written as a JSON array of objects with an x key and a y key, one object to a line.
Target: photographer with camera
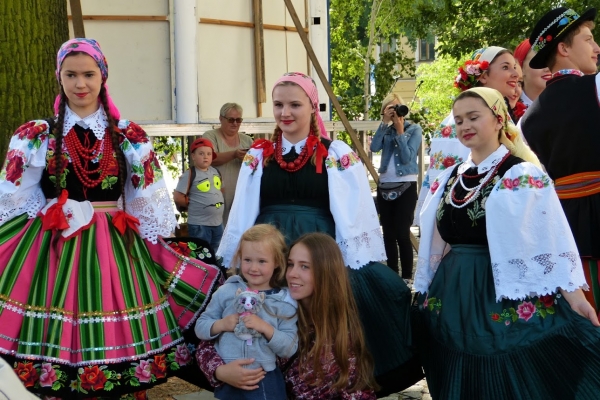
[{"x": 399, "y": 141}]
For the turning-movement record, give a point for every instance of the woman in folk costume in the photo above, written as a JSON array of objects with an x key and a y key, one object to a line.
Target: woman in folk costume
[
  {"x": 94, "y": 302},
  {"x": 302, "y": 182},
  {"x": 493, "y": 67},
  {"x": 499, "y": 275}
]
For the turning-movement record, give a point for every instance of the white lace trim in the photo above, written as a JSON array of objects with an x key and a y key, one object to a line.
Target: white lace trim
[
  {"x": 13, "y": 205},
  {"x": 362, "y": 249},
  {"x": 97, "y": 122},
  {"x": 155, "y": 214}
]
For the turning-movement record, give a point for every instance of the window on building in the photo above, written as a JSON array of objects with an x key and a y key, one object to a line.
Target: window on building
[{"x": 426, "y": 49}]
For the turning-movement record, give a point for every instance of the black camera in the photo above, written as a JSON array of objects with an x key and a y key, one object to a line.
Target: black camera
[{"x": 401, "y": 110}]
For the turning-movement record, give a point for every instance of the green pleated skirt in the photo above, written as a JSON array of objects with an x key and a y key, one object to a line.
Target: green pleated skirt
[
  {"x": 473, "y": 347},
  {"x": 382, "y": 298}
]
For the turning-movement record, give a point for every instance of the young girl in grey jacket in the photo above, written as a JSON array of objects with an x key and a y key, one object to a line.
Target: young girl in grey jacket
[{"x": 260, "y": 263}]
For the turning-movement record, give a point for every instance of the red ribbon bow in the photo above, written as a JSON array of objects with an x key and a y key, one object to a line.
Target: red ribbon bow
[
  {"x": 314, "y": 144},
  {"x": 122, "y": 221},
  {"x": 264, "y": 144},
  {"x": 55, "y": 216}
]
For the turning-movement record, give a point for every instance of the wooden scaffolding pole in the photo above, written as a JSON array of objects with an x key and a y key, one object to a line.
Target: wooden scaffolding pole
[
  {"x": 259, "y": 56},
  {"x": 332, "y": 97},
  {"x": 77, "y": 18}
]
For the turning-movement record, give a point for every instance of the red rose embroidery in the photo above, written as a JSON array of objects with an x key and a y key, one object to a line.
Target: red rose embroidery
[
  {"x": 446, "y": 131},
  {"x": 495, "y": 317},
  {"x": 547, "y": 300},
  {"x": 30, "y": 130},
  {"x": 159, "y": 366},
  {"x": 531, "y": 181},
  {"x": 27, "y": 373},
  {"x": 448, "y": 161},
  {"x": 149, "y": 171},
  {"x": 508, "y": 183},
  {"x": 93, "y": 378},
  {"x": 135, "y": 133},
  {"x": 14, "y": 166},
  {"x": 141, "y": 395},
  {"x": 113, "y": 168},
  {"x": 434, "y": 186},
  {"x": 135, "y": 181},
  {"x": 51, "y": 167}
]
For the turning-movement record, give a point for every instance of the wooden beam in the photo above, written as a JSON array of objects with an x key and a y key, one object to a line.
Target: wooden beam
[
  {"x": 336, "y": 104},
  {"x": 259, "y": 56},
  {"x": 123, "y": 17},
  {"x": 243, "y": 24},
  {"x": 78, "y": 29}
]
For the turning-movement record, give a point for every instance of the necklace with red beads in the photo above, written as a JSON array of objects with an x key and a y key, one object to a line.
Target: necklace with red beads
[
  {"x": 472, "y": 193},
  {"x": 291, "y": 166},
  {"x": 81, "y": 156}
]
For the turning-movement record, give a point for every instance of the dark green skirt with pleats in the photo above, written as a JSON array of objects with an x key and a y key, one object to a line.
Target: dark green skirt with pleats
[
  {"x": 382, "y": 298},
  {"x": 473, "y": 347}
]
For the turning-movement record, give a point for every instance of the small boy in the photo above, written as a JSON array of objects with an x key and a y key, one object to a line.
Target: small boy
[{"x": 205, "y": 209}]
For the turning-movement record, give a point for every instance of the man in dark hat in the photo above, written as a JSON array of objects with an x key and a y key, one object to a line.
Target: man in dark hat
[{"x": 561, "y": 126}]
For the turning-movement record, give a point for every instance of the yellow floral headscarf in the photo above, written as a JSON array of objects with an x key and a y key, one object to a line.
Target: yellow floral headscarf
[{"x": 509, "y": 134}]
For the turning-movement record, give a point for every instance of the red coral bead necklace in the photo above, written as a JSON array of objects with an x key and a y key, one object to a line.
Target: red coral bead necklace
[
  {"x": 81, "y": 155},
  {"x": 291, "y": 166}
]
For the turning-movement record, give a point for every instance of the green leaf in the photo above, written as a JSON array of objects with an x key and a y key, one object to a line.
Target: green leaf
[
  {"x": 108, "y": 374},
  {"x": 174, "y": 366},
  {"x": 550, "y": 310},
  {"x": 56, "y": 385},
  {"x": 108, "y": 386},
  {"x": 192, "y": 246},
  {"x": 542, "y": 313},
  {"x": 515, "y": 317},
  {"x": 134, "y": 382}
]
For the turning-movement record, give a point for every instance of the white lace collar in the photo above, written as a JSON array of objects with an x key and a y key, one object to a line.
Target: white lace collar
[
  {"x": 490, "y": 162},
  {"x": 286, "y": 145},
  {"x": 97, "y": 122}
]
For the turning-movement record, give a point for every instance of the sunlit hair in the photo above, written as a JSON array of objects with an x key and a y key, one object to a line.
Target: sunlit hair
[
  {"x": 332, "y": 319},
  {"x": 390, "y": 98},
  {"x": 508, "y": 135},
  {"x": 487, "y": 71},
  {"x": 230, "y": 106},
  {"x": 568, "y": 40},
  {"x": 314, "y": 125},
  {"x": 271, "y": 237}
]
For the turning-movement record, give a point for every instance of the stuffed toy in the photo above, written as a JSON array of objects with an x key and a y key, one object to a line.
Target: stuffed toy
[{"x": 247, "y": 302}]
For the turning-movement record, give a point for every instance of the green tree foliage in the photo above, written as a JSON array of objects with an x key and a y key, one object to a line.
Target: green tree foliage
[
  {"x": 436, "y": 93},
  {"x": 462, "y": 26},
  {"x": 357, "y": 26},
  {"x": 31, "y": 31}
]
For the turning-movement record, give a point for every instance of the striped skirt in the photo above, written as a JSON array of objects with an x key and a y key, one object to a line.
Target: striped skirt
[{"x": 96, "y": 315}]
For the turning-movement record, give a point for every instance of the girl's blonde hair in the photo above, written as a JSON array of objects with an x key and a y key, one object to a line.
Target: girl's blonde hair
[
  {"x": 390, "y": 98},
  {"x": 332, "y": 319},
  {"x": 269, "y": 235}
]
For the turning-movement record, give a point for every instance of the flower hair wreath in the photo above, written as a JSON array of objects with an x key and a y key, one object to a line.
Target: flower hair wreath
[{"x": 469, "y": 74}]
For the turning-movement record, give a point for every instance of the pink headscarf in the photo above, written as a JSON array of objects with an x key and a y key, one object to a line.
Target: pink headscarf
[
  {"x": 308, "y": 85},
  {"x": 91, "y": 48}
]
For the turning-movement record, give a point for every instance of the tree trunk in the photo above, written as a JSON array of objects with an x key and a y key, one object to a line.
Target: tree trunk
[{"x": 31, "y": 31}]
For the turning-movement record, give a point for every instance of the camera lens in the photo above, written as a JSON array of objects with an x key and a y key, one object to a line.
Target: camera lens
[{"x": 401, "y": 110}]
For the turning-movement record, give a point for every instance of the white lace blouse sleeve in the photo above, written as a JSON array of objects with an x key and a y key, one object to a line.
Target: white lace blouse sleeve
[
  {"x": 431, "y": 245},
  {"x": 20, "y": 190},
  {"x": 246, "y": 204},
  {"x": 357, "y": 229},
  {"x": 146, "y": 195},
  {"x": 531, "y": 245}
]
